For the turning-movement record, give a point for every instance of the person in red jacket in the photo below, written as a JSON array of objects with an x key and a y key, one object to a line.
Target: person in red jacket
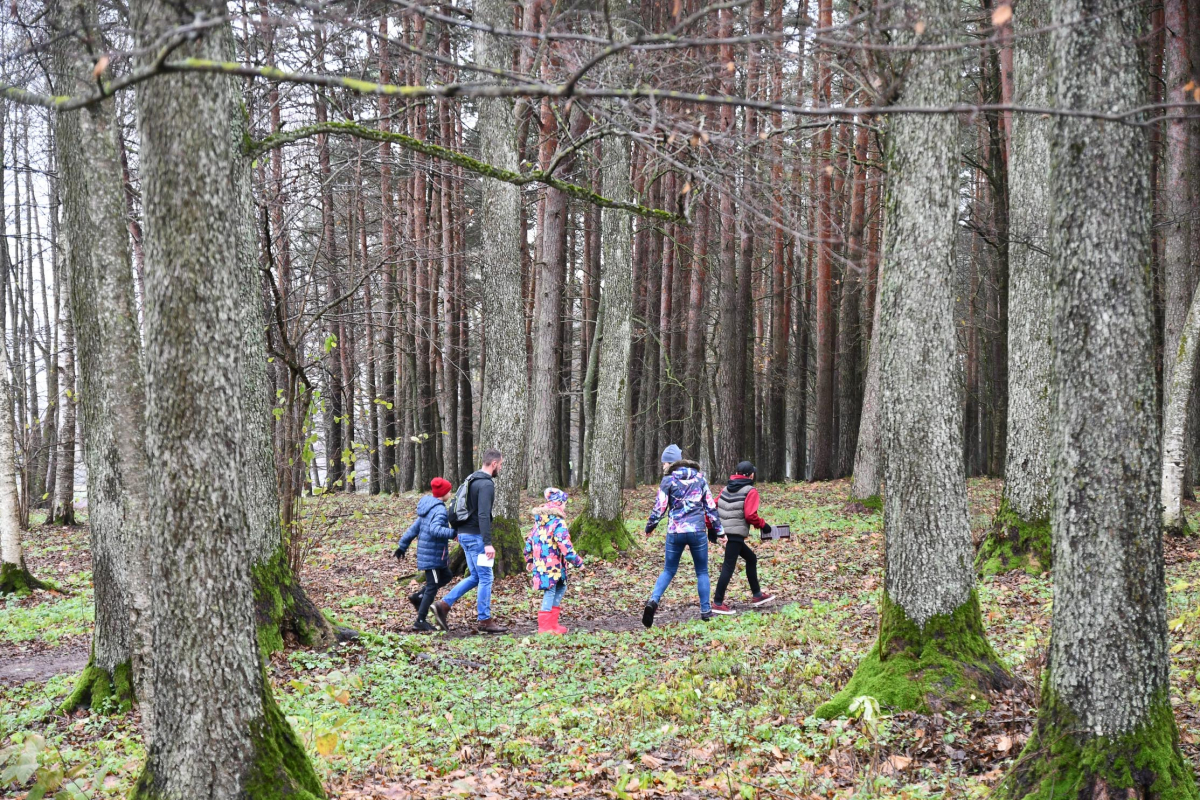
[{"x": 738, "y": 510}]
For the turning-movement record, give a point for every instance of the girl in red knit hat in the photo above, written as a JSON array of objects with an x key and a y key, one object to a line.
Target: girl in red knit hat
[{"x": 433, "y": 550}]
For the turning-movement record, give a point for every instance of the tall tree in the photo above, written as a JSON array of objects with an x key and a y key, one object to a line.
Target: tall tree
[
  {"x": 1179, "y": 265},
  {"x": 600, "y": 530},
  {"x": 100, "y": 272},
  {"x": 1105, "y": 724},
  {"x": 505, "y": 401},
  {"x": 14, "y": 576},
  {"x": 217, "y": 730},
  {"x": 931, "y": 642},
  {"x": 1020, "y": 535}
]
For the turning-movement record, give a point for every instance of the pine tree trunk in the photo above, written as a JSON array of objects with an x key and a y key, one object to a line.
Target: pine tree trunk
[
  {"x": 931, "y": 648},
  {"x": 1105, "y": 725},
  {"x": 218, "y": 733},
  {"x": 1020, "y": 534},
  {"x": 505, "y": 401},
  {"x": 99, "y": 272}
]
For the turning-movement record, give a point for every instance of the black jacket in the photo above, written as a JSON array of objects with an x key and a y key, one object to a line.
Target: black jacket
[{"x": 480, "y": 495}]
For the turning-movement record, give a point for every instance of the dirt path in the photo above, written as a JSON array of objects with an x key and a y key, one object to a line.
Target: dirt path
[
  {"x": 617, "y": 623},
  {"x": 20, "y": 668}
]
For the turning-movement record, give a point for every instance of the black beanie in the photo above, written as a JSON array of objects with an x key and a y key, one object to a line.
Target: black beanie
[{"x": 745, "y": 468}]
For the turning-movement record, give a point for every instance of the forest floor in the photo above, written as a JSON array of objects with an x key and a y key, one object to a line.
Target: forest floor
[{"x": 691, "y": 709}]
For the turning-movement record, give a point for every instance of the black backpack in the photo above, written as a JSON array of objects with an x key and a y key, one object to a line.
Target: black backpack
[{"x": 460, "y": 509}]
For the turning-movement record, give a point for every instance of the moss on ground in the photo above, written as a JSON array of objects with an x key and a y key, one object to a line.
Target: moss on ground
[
  {"x": 100, "y": 690},
  {"x": 1013, "y": 543},
  {"x": 603, "y": 538},
  {"x": 282, "y": 606},
  {"x": 946, "y": 664},
  {"x": 1061, "y": 760},
  {"x": 1184, "y": 528},
  {"x": 16, "y": 579}
]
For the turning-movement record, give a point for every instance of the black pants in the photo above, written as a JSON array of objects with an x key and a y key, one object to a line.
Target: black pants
[
  {"x": 434, "y": 579},
  {"x": 737, "y": 548}
]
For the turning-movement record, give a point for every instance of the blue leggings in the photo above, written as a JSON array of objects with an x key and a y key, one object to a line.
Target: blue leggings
[{"x": 552, "y": 598}]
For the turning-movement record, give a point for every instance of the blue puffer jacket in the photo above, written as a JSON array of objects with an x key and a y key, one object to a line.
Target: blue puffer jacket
[{"x": 433, "y": 526}]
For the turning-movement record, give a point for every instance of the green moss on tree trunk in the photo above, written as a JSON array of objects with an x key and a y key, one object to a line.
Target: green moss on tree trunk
[
  {"x": 16, "y": 579},
  {"x": 1184, "y": 528},
  {"x": 1062, "y": 761},
  {"x": 101, "y": 690},
  {"x": 509, "y": 541},
  {"x": 603, "y": 538},
  {"x": 280, "y": 769},
  {"x": 874, "y": 502},
  {"x": 282, "y": 606},
  {"x": 946, "y": 664},
  {"x": 1014, "y": 543}
]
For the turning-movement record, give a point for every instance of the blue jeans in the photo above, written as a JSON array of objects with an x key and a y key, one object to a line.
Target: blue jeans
[
  {"x": 552, "y": 598},
  {"x": 697, "y": 542},
  {"x": 472, "y": 545}
]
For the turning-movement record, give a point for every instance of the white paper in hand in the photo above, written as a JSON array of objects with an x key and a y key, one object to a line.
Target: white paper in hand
[{"x": 484, "y": 561}]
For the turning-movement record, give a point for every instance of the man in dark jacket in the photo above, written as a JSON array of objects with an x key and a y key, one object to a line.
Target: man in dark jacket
[
  {"x": 475, "y": 538},
  {"x": 433, "y": 548},
  {"x": 738, "y": 509}
]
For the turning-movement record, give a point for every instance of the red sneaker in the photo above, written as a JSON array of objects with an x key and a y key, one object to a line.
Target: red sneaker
[
  {"x": 761, "y": 599},
  {"x": 721, "y": 608}
]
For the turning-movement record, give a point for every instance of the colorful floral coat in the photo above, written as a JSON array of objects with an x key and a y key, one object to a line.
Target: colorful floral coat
[{"x": 548, "y": 549}]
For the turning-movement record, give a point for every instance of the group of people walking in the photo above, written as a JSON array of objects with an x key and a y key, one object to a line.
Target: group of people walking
[{"x": 694, "y": 520}]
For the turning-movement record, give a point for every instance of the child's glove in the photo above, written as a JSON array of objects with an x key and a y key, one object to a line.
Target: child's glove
[
  {"x": 766, "y": 529},
  {"x": 400, "y": 553},
  {"x": 649, "y": 529}
]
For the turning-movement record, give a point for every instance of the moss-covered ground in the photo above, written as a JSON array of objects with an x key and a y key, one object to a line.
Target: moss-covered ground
[{"x": 723, "y": 709}]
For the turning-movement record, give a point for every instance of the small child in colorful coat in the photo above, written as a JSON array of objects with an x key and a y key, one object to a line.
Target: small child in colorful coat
[{"x": 548, "y": 549}]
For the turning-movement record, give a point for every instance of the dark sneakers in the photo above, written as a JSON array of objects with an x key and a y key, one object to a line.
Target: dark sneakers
[
  {"x": 648, "y": 613},
  {"x": 705, "y": 616},
  {"x": 441, "y": 613},
  {"x": 721, "y": 608},
  {"x": 421, "y": 626},
  {"x": 490, "y": 625}
]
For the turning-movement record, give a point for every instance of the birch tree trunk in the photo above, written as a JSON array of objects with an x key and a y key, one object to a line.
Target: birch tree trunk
[
  {"x": 1105, "y": 726},
  {"x": 14, "y": 577},
  {"x": 600, "y": 530},
  {"x": 1020, "y": 535},
  {"x": 931, "y": 649},
  {"x": 63, "y": 507},
  {"x": 1175, "y": 422},
  {"x": 218, "y": 733},
  {"x": 505, "y": 401},
  {"x": 99, "y": 272}
]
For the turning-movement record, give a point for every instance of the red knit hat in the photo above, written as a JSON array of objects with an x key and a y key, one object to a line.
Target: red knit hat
[{"x": 440, "y": 487}]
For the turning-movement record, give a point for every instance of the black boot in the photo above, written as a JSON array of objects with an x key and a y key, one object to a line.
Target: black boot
[{"x": 415, "y": 600}]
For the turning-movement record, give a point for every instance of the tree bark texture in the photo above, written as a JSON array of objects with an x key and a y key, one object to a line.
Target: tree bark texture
[
  {"x": 931, "y": 648},
  {"x": 100, "y": 274},
  {"x": 1021, "y": 528},
  {"x": 218, "y": 733},
  {"x": 505, "y": 401},
  {"x": 1105, "y": 726}
]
